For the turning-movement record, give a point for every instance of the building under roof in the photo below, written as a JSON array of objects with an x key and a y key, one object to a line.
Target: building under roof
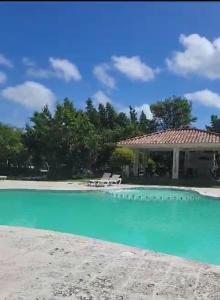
[{"x": 199, "y": 147}]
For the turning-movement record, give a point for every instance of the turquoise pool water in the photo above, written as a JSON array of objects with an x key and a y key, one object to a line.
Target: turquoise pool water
[{"x": 170, "y": 221}]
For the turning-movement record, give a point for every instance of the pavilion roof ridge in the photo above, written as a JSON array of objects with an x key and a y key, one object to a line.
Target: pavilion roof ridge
[
  {"x": 190, "y": 128},
  {"x": 175, "y": 136}
]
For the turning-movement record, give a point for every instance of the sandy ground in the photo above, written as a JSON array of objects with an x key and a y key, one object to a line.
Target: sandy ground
[
  {"x": 44, "y": 265},
  {"x": 82, "y": 186}
]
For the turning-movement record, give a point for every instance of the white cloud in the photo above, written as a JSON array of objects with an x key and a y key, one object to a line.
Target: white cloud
[
  {"x": 200, "y": 57},
  {"x": 40, "y": 73},
  {"x": 3, "y": 77},
  {"x": 205, "y": 97},
  {"x": 30, "y": 94},
  {"x": 144, "y": 107},
  {"x": 59, "y": 68},
  {"x": 134, "y": 68},
  {"x": 101, "y": 73},
  {"x": 5, "y": 61},
  {"x": 64, "y": 69},
  {"x": 28, "y": 62},
  {"x": 100, "y": 97}
]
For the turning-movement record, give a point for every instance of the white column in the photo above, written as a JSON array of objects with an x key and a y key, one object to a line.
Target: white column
[
  {"x": 175, "y": 170},
  {"x": 214, "y": 165},
  {"x": 214, "y": 160},
  {"x": 136, "y": 163},
  {"x": 144, "y": 164}
]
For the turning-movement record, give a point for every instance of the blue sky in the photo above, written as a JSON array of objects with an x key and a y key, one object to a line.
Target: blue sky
[{"x": 127, "y": 53}]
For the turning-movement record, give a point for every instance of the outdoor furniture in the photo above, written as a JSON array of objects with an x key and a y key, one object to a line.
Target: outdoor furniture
[
  {"x": 3, "y": 177},
  {"x": 44, "y": 170},
  {"x": 141, "y": 173},
  {"x": 105, "y": 176},
  {"x": 115, "y": 179}
]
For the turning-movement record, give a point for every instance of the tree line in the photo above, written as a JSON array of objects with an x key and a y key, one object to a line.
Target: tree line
[{"x": 73, "y": 141}]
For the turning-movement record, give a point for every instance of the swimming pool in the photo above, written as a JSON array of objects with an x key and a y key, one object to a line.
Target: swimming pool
[{"x": 175, "y": 222}]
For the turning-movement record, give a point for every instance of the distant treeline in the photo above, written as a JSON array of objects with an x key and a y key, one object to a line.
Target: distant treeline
[{"x": 72, "y": 141}]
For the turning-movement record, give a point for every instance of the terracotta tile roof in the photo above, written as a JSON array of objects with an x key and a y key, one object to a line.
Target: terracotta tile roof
[{"x": 174, "y": 136}]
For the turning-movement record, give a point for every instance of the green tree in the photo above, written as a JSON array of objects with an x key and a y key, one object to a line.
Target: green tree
[
  {"x": 122, "y": 120},
  {"x": 146, "y": 125},
  {"x": 112, "y": 128},
  {"x": 39, "y": 138},
  {"x": 121, "y": 157},
  {"x": 76, "y": 140},
  {"x": 133, "y": 128},
  {"x": 133, "y": 115},
  {"x": 174, "y": 112},
  {"x": 102, "y": 117},
  {"x": 66, "y": 140},
  {"x": 11, "y": 145},
  {"x": 111, "y": 116},
  {"x": 143, "y": 122},
  {"x": 215, "y": 124},
  {"x": 92, "y": 113}
]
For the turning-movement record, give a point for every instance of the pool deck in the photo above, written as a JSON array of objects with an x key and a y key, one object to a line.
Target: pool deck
[
  {"x": 44, "y": 265},
  {"x": 82, "y": 186}
]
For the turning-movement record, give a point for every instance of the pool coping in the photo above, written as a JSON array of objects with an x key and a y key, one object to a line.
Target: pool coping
[{"x": 51, "y": 265}]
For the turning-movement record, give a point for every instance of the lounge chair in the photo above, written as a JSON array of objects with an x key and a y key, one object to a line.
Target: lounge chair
[
  {"x": 3, "y": 177},
  {"x": 115, "y": 179},
  {"x": 105, "y": 176}
]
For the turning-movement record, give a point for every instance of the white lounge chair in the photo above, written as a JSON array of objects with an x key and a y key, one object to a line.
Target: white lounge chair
[
  {"x": 3, "y": 177},
  {"x": 105, "y": 176},
  {"x": 115, "y": 179}
]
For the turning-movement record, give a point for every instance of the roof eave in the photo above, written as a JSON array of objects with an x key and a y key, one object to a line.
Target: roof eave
[{"x": 202, "y": 146}]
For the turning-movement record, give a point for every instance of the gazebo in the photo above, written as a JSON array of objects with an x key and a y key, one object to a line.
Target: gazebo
[{"x": 198, "y": 147}]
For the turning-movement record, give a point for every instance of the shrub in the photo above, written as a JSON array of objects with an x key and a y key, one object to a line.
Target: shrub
[
  {"x": 151, "y": 164},
  {"x": 121, "y": 157}
]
